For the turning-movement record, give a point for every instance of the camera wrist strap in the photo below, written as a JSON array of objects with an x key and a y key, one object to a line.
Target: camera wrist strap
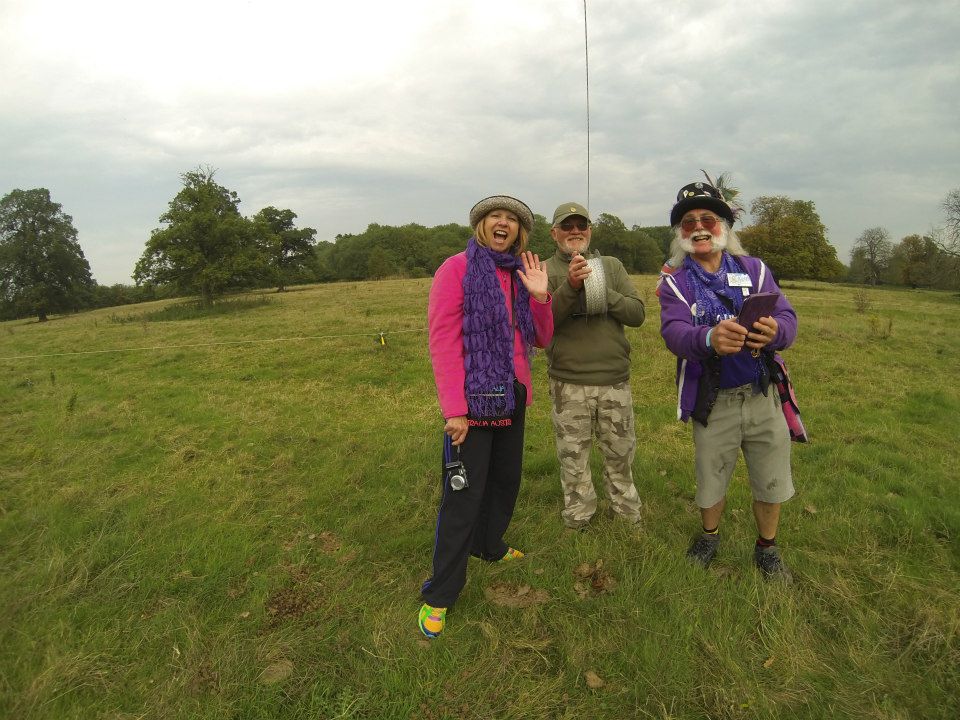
[{"x": 448, "y": 448}]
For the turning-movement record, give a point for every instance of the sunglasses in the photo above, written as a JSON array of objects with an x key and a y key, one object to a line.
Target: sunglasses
[
  {"x": 709, "y": 222},
  {"x": 568, "y": 225}
]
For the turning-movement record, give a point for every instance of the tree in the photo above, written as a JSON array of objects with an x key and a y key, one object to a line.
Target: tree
[
  {"x": 610, "y": 235},
  {"x": 42, "y": 267},
  {"x": 207, "y": 246},
  {"x": 321, "y": 262},
  {"x": 120, "y": 294},
  {"x": 285, "y": 247},
  {"x": 945, "y": 266},
  {"x": 609, "y": 230},
  {"x": 378, "y": 264},
  {"x": 662, "y": 235},
  {"x": 870, "y": 256},
  {"x": 789, "y": 236},
  {"x": 541, "y": 241},
  {"x": 647, "y": 256},
  {"x": 913, "y": 262},
  {"x": 948, "y": 240},
  {"x": 638, "y": 252}
]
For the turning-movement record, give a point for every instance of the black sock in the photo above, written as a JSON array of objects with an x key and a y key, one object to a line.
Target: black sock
[
  {"x": 763, "y": 542},
  {"x": 715, "y": 531}
]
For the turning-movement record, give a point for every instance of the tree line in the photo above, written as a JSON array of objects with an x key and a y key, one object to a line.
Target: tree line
[
  {"x": 917, "y": 261},
  {"x": 206, "y": 248},
  {"x": 413, "y": 250}
]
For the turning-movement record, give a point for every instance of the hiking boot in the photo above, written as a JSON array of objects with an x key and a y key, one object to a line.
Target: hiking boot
[
  {"x": 635, "y": 521},
  {"x": 771, "y": 564},
  {"x": 431, "y": 620},
  {"x": 703, "y": 549},
  {"x": 577, "y": 524}
]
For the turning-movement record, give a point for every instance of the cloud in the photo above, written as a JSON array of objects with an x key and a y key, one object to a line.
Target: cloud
[{"x": 352, "y": 113}]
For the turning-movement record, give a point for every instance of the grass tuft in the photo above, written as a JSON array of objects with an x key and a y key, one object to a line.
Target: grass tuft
[{"x": 880, "y": 328}]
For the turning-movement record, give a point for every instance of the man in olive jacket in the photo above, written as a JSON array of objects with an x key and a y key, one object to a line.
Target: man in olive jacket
[{"x": 589, "y": 369}]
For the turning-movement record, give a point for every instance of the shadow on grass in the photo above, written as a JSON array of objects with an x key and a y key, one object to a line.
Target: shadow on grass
[
  {"x": 296, "y": 288},
  {"x": 801, "y": 285},
  {"x": 194, "y": 310},
  {"x": 34, "y": 320}
]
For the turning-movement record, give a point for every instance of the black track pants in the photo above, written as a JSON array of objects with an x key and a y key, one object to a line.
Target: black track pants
[{"x": 472, "y": 521}]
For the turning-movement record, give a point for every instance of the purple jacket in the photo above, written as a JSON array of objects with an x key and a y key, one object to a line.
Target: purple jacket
[{"x": 689, "y": 342}]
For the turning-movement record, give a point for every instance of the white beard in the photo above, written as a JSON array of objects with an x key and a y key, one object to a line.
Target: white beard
[{"x": 719, "y": 241}]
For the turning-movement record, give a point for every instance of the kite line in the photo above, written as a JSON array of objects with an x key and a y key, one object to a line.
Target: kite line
[{"x": 586, "y": 63}]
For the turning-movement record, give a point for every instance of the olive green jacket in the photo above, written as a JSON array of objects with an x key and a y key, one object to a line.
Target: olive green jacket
[{"x": 591, "y": 349}]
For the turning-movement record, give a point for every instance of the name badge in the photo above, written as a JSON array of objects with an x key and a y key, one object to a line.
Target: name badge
[{"x": 738, "y": 280}]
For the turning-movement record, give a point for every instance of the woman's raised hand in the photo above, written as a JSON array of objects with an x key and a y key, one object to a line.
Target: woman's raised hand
[{"x": 533, "y": 275}]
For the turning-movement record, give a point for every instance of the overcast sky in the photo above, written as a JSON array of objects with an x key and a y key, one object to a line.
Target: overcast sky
[{"x": 355, "y": 112}]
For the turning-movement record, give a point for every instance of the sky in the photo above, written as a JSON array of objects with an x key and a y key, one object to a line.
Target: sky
[{"x": 359, "y": 112}]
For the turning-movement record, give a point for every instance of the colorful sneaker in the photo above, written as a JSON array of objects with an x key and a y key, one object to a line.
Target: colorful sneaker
[
  {"x": 432, "y": 620},
  {"x": 703, "y": 549},
  {"x": 511, "y": 554},
  {"x": 771, "y": 564}
]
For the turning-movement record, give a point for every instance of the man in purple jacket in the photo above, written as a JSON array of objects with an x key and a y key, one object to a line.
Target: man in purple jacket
[{"x": 722, "y": 378}]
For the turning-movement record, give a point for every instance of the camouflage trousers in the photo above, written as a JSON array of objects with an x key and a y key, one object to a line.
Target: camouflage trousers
[{"x": 579, "y": 413}]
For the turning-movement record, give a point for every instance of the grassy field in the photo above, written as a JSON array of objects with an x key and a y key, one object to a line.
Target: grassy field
[{"x": 230, "y": 515}]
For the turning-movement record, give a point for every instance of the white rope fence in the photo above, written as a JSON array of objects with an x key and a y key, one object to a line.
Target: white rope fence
[{"x": 381, "y": 336}]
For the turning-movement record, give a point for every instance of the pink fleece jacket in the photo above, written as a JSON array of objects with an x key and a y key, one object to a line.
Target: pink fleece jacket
[{"x": 445, "y": 319}]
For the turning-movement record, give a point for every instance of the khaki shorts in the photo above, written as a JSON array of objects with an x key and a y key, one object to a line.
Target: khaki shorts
[{"x": 741, "y": 420}]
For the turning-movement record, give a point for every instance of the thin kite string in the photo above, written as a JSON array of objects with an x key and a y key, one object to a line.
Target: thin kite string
[{"x": 586, "y": 63}]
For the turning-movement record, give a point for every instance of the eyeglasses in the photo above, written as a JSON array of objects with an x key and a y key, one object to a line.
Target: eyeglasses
[
  {"x": 568, "y": 225},
  {"x": 709, "y": 222}
]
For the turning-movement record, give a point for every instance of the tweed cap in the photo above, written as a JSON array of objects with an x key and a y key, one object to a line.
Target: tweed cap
[
  {"x": 502, "y": 202},
  {"x": 700, "y": 195},
  {"x": 565, "y": 210}
]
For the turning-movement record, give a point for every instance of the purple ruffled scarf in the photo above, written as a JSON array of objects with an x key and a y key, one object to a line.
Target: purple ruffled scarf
[
  {"x": 487, "y": 332},
  {"x": 716, "y": 300}
]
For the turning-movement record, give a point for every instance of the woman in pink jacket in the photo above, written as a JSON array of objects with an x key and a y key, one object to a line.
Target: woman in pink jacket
[{"x": 489, "y": 307}]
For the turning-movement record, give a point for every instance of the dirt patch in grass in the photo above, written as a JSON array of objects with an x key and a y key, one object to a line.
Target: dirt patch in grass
[
  {"x": 276, "y": 672},
  {"x": 204, "y": 680},
  {"x": 325, "y": 540},
  {"x": 328, "y": 542},
  {"x": 515, "y": 596},
  {"x": 298, "y": 598},
  {"x": 593, "y": 579}
]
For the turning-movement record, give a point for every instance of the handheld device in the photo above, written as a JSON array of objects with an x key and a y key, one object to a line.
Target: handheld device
[{"x": 755, "y": 307}]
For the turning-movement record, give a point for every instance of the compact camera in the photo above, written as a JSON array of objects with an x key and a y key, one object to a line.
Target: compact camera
[{"x": 456, "y": 475}]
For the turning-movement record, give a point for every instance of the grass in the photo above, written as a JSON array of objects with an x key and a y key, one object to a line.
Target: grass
[{"x": 230, "y": 515}]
